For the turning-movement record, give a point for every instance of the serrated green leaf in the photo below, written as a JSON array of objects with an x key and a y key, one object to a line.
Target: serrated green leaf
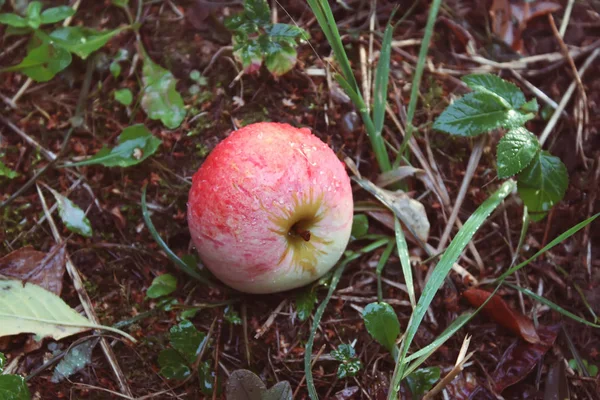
[
  {"x": 13, "y": 20},
  {"x": 71, "y": 215},
  {"x": 422, "y": 380},
  {"x": 13, "y": 387},
  {"x": 516, "y": 150},
  {"x": 42, "y": 63},
  {"x": 250, "y": 54},
  {"x": 240, "y": 25},
  {"x": 56, "y": 14},
  {"x": 382, "y": 324},
  {"x": 305, "y": 303},
  {"x": 542, "y": 184},
  {"x": 124, "y": 96},
  {"x": 160, "y": 99},
  {"x": 360, "y": 226},
  {"x": 162, "y": 285},
  {"x": 257, "y": 11},
  {"x": 74, "y": 361},
  {"x": 285, "y": 32},
  {"x": 476, "y": 113},
  {"x": 82, "y": 41},
  {"x": 282, "y": 60},
  {"x": 173, "y": 365},
  {"x": 37, "y": 311},
  {"x": 187, "y": 340},
  {"x": 7, "y": 172},
  {"x": 492, "y": 84},
  {"x": 136, "y": 143}
]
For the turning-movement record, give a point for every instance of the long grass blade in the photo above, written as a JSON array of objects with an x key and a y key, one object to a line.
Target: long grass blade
[
  {"x": 454, "y": 250},
  {"x": 385, "y": 256},
  {"x": 405, "y": 262},
  {"x": 172, "y": 256},
  {"x": 382, "y": 75}
]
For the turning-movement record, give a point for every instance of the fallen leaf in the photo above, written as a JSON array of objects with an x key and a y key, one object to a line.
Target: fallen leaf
[
  {"x": 43, "y": 269},
  {"x": 499, "y": 311}
]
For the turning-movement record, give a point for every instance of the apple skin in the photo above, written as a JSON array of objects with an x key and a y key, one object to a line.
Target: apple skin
[{"x": 270, "y": 209}]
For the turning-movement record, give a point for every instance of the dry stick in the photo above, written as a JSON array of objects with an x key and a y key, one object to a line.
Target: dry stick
[
  {"x": 263, "y": 329},
  {"x": 535, "y": 90},
  {"x": 86, "y": 301},
  {"x": 591, "y": 202},
  {"x": 471, "y": 167},
  {"x": 50, "y": 156},
  {"x": 566, "y": 18},
  {"x": 566, "y": 97}
]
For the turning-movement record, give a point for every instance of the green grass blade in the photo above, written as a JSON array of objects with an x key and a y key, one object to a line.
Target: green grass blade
[
  {"x": 454, "y": 250},
  {"x": 385, "y": 256},
  {"x": 172, "y": 256},
  {"x": 565, "y": 235},
  {"x": 416, "y": 83},
  {"x": 382, "y": 75},
  {"x": 552, "y": 305},
  {"x": 524, "y": 229},
  {"x": 405, "y": 262}
]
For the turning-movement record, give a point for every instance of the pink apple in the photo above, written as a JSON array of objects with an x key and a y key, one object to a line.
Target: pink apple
[{"x": 270, "y": 209}]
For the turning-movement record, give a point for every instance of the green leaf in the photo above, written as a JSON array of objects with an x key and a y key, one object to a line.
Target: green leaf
[
  {"x": 516, "y": 150},
  {"x": 34, "y": 19},
  {"x": 382, "y": 76},
  {"x": 305, "y": 303},
  {"x": 71, "y": 215},
  {"x": 344, "y": 352},
  {"x": 531, "y": 106},
  {"x": 349, "y": 364},
  {"x": 43, "y": 63},
  {"x": 285, "y": 32},
  {"x": 382, "y": 324},
  {"x": 160, "y": 99},
  {"x": 250, "y": 54},
  {"x": 136, "y": 143},
  {"x": 162, "y": 285},
  {"x": 187, "y": 340},
  {"x": 405, "y": 261},
  {"x": 13, "y": 20},
  {"x": 206, "y": 379},
  {"x": 244, "y": 385},
  {"x": 232, "y": 316},
  {"x": 476, "y": 113},
  {"x": 37, "y": 311},
  {"x": 7, "y": 172},
  {"x": 74, "y": 361},
  {"x": 82, "y": 41},
  {"x": 542, "y": 184},
  {"x": 360, "y": 226},
  {"x": 509, "y": 93},
  {"x": 56, "y": 14},
  {"x": 13, "y": 387},
  {"x": 124, "y": 96},
  {"x": 257, "y": 11},
  {"x": 120, "y": 3},
  {"x": 2, "y": 362},
  {"x": 280, "y": 391},
  {"x": 422, "y": 380},
  {"x": 173, "y": 365},
  {"x": 115, "y": 69}
]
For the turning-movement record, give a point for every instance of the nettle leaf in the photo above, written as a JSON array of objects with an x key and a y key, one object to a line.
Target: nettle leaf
[
  {"x": 37, "y": 311},
  {"x": 493, "y": 84},
  {"x": 13, "y": 20},
  {"x": 160, "y": 99},
  {"x": 136, "y": 143},
  {"x": 56, "y": 14},
  {"x": 250, "y": 54},
  {"x": 350, "y": 365},
  {"x": 305, "y": 303},
  {"x": 240, "y": 24},
  {"x": 542, "y": 184},
  {"x": 124, "y": 96},
  {"x": 42, "y": 63},
  {"x": 173, "y": 365},
  {"x": 257, "y": 11},
  {"x": 420, "y": 381},
  {"x": 187, "y": 340},
  {"x": 71, "y": 215},
  {"x": 382, "y": 324},
  {"x": 7, "y": 172},
  {"x": 82, "y": 41},
  {"x": 476, "y": 113},
  {"x": 344, "y": 352},
  {"x": 13, "y": 387},
  {"x": 516, "y": 150},
  {"x": 162, "y": 285}
]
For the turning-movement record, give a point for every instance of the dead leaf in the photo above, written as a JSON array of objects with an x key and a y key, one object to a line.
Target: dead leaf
[
  {"x": 499, "y": 311},
  {"x": 42, "y": 269}
]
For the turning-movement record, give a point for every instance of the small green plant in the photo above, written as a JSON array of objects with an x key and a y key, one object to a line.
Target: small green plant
[
  {"x": 591, "y": 368},
  {"x": 12, "y": 387},
  {"x": 186, "y": 345},
  {"x": 349, "y": 363},
  {"x": 495, "y": 103},
  {"x": 256, "y": 39}
]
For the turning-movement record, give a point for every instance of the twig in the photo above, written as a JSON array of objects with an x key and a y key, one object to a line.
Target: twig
[
  {"x": 263, "y": 329},
  {"x": 50, "y": 156},
  {"x": 86, "y": 301},
  {"x": 566, "y": 18}
]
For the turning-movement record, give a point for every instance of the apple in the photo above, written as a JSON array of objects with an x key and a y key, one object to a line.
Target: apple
[{"x": 270, "y": 209}]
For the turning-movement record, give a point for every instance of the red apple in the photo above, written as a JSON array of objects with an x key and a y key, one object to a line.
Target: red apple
[{"x": 270, "y": 209}]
